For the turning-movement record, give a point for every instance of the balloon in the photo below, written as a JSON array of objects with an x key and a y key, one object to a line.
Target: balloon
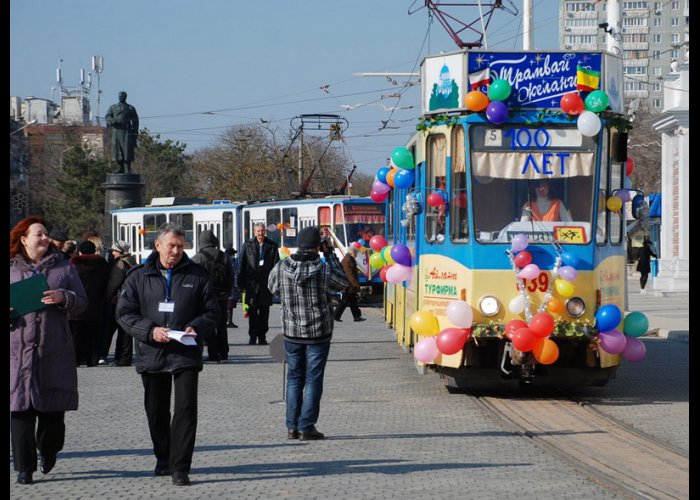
[
  {"x": 381, "y": 174},
  {"x": 519, "y": 242},
  {"x": 376, "y": 261},
  {"x": 435, "y": 200},
  {"x": 476, "y": 101},
  {"x": 542, "y": 325},
  {"x": 497, "y": 112},
  {"x": 607, "y": 318},
  {"x": 398, "y": 273},
  {"x": 596, "y": 101},
  {"x": 523, "y": 258},
  {"x": 572, "y": 104},
  {"x": 452, "y": 340},
  {"x": 377, "y": 197},
  {"x": 359, "y": 243},
  {"x": 546, "y": 352},
  {"x": 401, "y": 254},
  {"x": 570, "y": 259},
  {"x": 517, "y": 304},
  {"x": 404, "y": 179},
  {"x": 426, "y": 350},
  {"x": 555, "y": 305},
  {"x": 386, "y": 254},
  {"x": 529, "y": 272},
  {"x": 425, "y": 323},
  {"x": 377, "y": 242},
  {"x": 380, "y": 187},
  {"x": 382, "y": 273},
  {"x": 629, "y": 166},
  {"x": 461, "y": 200},
  {"x": 390, "y": 177},
  {"x": 523, "y": 340},
  {"x": 513, "y": 325},
  {"x": 623, "y": 194},
  {"x": 403, "y": 158},
  {"x": 612, "y": 341},
  {"x": 460, "y": 313},
  {"x": 634, "y": 350},
  {"x": 588, "y": 123},
  {"x": 636, "y": 324},
  {"x": 271, "y": 228},
  {"x": 614, "y": 204},
  {"x": 568, "y": 273},
  {"x": 563, "y": 287},
  {"x": 499, "y": 90}
]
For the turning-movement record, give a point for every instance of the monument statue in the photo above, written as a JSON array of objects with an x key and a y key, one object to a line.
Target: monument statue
[{"x": 124, "y": 120}]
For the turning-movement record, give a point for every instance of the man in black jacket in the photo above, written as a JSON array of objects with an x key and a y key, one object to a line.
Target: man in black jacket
[
  {"x": 258, "y": 257},
  {"x": 161, "y": 297}
]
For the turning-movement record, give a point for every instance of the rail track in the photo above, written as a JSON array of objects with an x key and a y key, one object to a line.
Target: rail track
[{"x": 612, "y": 453}]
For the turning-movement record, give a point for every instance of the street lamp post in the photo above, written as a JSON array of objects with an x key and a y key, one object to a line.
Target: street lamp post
[{"x": 32, "y": 122}]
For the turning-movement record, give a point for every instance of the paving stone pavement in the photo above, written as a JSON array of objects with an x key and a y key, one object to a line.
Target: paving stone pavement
[{"x": 392, "y": 433}]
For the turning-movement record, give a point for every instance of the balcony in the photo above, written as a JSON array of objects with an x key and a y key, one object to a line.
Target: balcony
[{"x": 635, "y": 45}]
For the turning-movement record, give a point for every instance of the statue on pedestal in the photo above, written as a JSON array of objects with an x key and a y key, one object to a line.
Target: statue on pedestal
[{"x": 124, "y": 120}]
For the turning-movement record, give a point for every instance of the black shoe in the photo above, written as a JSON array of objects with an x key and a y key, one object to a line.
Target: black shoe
[
  {"x": 47, "y": 464},
  {"x": 338, "y": 320},
  {"x": 292, "y": 434},
  {"x": 181, "y": 479},
  {"x": 25, "y": 478},
  {"x": 360, "y": 319},
  {"x": 312, "y": 435},
  {"x": 161, "y": 469},
  {"x": 263, "y": 342},
  {"x": 251, "y": 341}
]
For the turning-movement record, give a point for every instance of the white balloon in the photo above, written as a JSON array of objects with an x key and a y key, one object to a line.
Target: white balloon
[
  {"x": 460, "y": 313},
  {"x": 517, "y": 304},
  {"x": 588, "y": 123}
]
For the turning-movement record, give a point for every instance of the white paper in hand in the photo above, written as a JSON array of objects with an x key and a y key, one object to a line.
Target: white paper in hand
[{"x": 182, "y": 337}]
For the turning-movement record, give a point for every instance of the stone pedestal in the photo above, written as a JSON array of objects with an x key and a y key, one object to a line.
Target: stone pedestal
[{"x": 121, "y": 191}]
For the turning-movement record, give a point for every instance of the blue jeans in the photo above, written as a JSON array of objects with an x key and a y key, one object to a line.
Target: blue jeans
[{"x": 306, "y": 364}]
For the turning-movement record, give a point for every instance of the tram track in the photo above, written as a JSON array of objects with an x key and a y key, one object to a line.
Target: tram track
[{"x": 607, "y": 450}]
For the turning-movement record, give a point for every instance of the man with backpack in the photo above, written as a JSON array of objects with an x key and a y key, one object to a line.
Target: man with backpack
[{"x": 221, "y": 278}]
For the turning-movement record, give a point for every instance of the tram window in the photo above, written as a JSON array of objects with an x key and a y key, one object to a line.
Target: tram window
[
  {"x": 615, "y": 217},
  {"x": 459, "y": 208},
  {"x": 186, "y": 221},
  {"x": 436, "y": 169},
  {"x": 273, "y": 217},
  {"x": 289, "y": 219},
  {"x": 601, "y": 235},
  {"x": 227, "y": 236},
  {"x": 151, "y": 223},
  {"x": 339, "y": 223},
  {"x": 247, "y": 234}
]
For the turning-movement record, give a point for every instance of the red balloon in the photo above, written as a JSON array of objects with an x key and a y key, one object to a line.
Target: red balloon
[
  {"x": 572, "y": 104},
  {"x": 461, "y": 200},
  {"x": 524, "y": 340},
  {"x": 378, "y": 197},
  {"x": 513, "y": 325},
  {"x": 377, "y": 242},
  {"x": 435, "y": 200},
  {"x": 542, "y": 325},
  {"x": 523, "y": 258},
  {"x": 452, "y": 340},
  {"x": 629, "y": 166},
  {"x": 382, "y": 273}
]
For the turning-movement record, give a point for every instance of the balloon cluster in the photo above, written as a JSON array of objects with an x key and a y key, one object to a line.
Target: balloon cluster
[
  {"x": 496, "y": 111},
  {"x": 588, "y": 121},
  {"x": 612, "y": 340},
  {"x": 283, "y": 252},
  {"x": 447, "y": 341},
  {"x": 400, "y": 173},
  {"x": 395, "y": 262}
]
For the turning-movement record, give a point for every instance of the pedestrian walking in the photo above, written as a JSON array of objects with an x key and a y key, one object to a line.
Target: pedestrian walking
[
  {"x": 644, "y": 262},
  {"x": 349, "y": 297},
  {"x": 124, "y": 346}
]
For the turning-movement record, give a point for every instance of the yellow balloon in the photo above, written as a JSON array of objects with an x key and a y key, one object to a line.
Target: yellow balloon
[
  {"x": 386, "y": 253},
  {"x": 565, "y": 288},
  {"x": 425, "y": 323},
  {"x": 614, "y": 203}
]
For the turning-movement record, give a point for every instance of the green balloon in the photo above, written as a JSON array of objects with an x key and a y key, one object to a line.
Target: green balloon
[
  {"x": 636, "y": 324},
  {"x": 596, "y": 101},
  {"x": 402, "y": 158},
  {"x": 376, "y": 260},
  {"x": 499, "y": 90}
]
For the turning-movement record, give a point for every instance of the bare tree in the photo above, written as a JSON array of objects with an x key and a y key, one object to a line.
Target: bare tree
[{"x": 644, "y": 147}]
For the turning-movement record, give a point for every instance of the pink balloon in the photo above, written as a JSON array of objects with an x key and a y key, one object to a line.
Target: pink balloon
[
  {"x": 529, "y": 272},
  {"x": 634, "y": 350},
  {"x": 568, "y": 273},
  {"x": 612, "y": 341},
  {"x": 519, "y": 242},
  {"x": 426, "y": 350},
  {"x": 379, "y": 187}
]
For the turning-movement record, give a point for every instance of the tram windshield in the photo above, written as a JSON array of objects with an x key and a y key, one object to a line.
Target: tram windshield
[
  {"x": 532, "y": 180},
  {"x": 359, "y": 221}
]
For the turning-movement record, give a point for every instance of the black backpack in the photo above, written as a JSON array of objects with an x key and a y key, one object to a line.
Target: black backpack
[{"x": 218, "y": 273}]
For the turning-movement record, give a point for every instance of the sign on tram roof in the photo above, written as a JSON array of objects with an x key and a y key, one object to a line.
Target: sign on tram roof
[{"x": 538, "y": 79}]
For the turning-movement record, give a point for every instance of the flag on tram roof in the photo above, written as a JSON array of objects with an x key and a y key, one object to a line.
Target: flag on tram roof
[
  {"x": 479, "y": 78},
  {"x": 587, "y": 80}
]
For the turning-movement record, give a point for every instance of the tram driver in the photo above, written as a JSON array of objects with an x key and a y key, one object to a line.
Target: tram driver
[{"x": 544, "y": 206}]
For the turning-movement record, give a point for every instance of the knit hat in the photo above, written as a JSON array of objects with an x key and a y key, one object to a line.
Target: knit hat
[
  {"x": 87, "y": 247},
  {"x": 121, "y": 246},
  {"x": 309, "y": 238},
  {"x": 58, "y": 235}
]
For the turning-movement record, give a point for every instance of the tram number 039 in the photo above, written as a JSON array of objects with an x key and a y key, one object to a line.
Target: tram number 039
[{"x": 541, "y": 283}]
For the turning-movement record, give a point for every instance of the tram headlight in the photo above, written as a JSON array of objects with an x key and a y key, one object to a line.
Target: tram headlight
[
  {"x": 575, "y": 306},
  {"x": 489, "y": 305}
]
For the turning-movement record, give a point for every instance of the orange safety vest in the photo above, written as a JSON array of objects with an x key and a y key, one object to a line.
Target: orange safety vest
[{"x": 551, "y": 215}]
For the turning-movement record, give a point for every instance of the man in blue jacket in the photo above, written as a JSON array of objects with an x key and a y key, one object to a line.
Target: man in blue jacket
[
  {"x": 304, "y": 283},
  {"x": 169, "y": 293}
]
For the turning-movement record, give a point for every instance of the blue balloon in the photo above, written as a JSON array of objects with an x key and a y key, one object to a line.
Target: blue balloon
[
  {"x": 608, "y": 317},
  {"x": 569, "y": 259},
  {"x": 404, "y": 178},
  {"x": 381, "y": 174}
]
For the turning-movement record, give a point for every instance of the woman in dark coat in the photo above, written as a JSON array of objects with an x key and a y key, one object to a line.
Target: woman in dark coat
[
  {"x": 644, "y": 263},
  {"x": 43, "y": 375}
]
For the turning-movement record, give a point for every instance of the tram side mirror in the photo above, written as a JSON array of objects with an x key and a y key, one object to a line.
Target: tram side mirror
[
  {"x": 640, "y": 208},
  {"x": 618, "y": 147}
]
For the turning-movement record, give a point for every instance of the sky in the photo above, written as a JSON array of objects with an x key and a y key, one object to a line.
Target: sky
[{"x": 193, "y": 69}]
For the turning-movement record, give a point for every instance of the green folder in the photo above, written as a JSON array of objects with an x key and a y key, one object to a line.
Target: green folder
[{"x": 26, "y": 295}]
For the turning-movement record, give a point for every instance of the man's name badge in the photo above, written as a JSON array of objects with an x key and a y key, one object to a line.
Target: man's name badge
[
  {"x": 261, "y": 262},
  {"x": 166, "y": 307}
]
